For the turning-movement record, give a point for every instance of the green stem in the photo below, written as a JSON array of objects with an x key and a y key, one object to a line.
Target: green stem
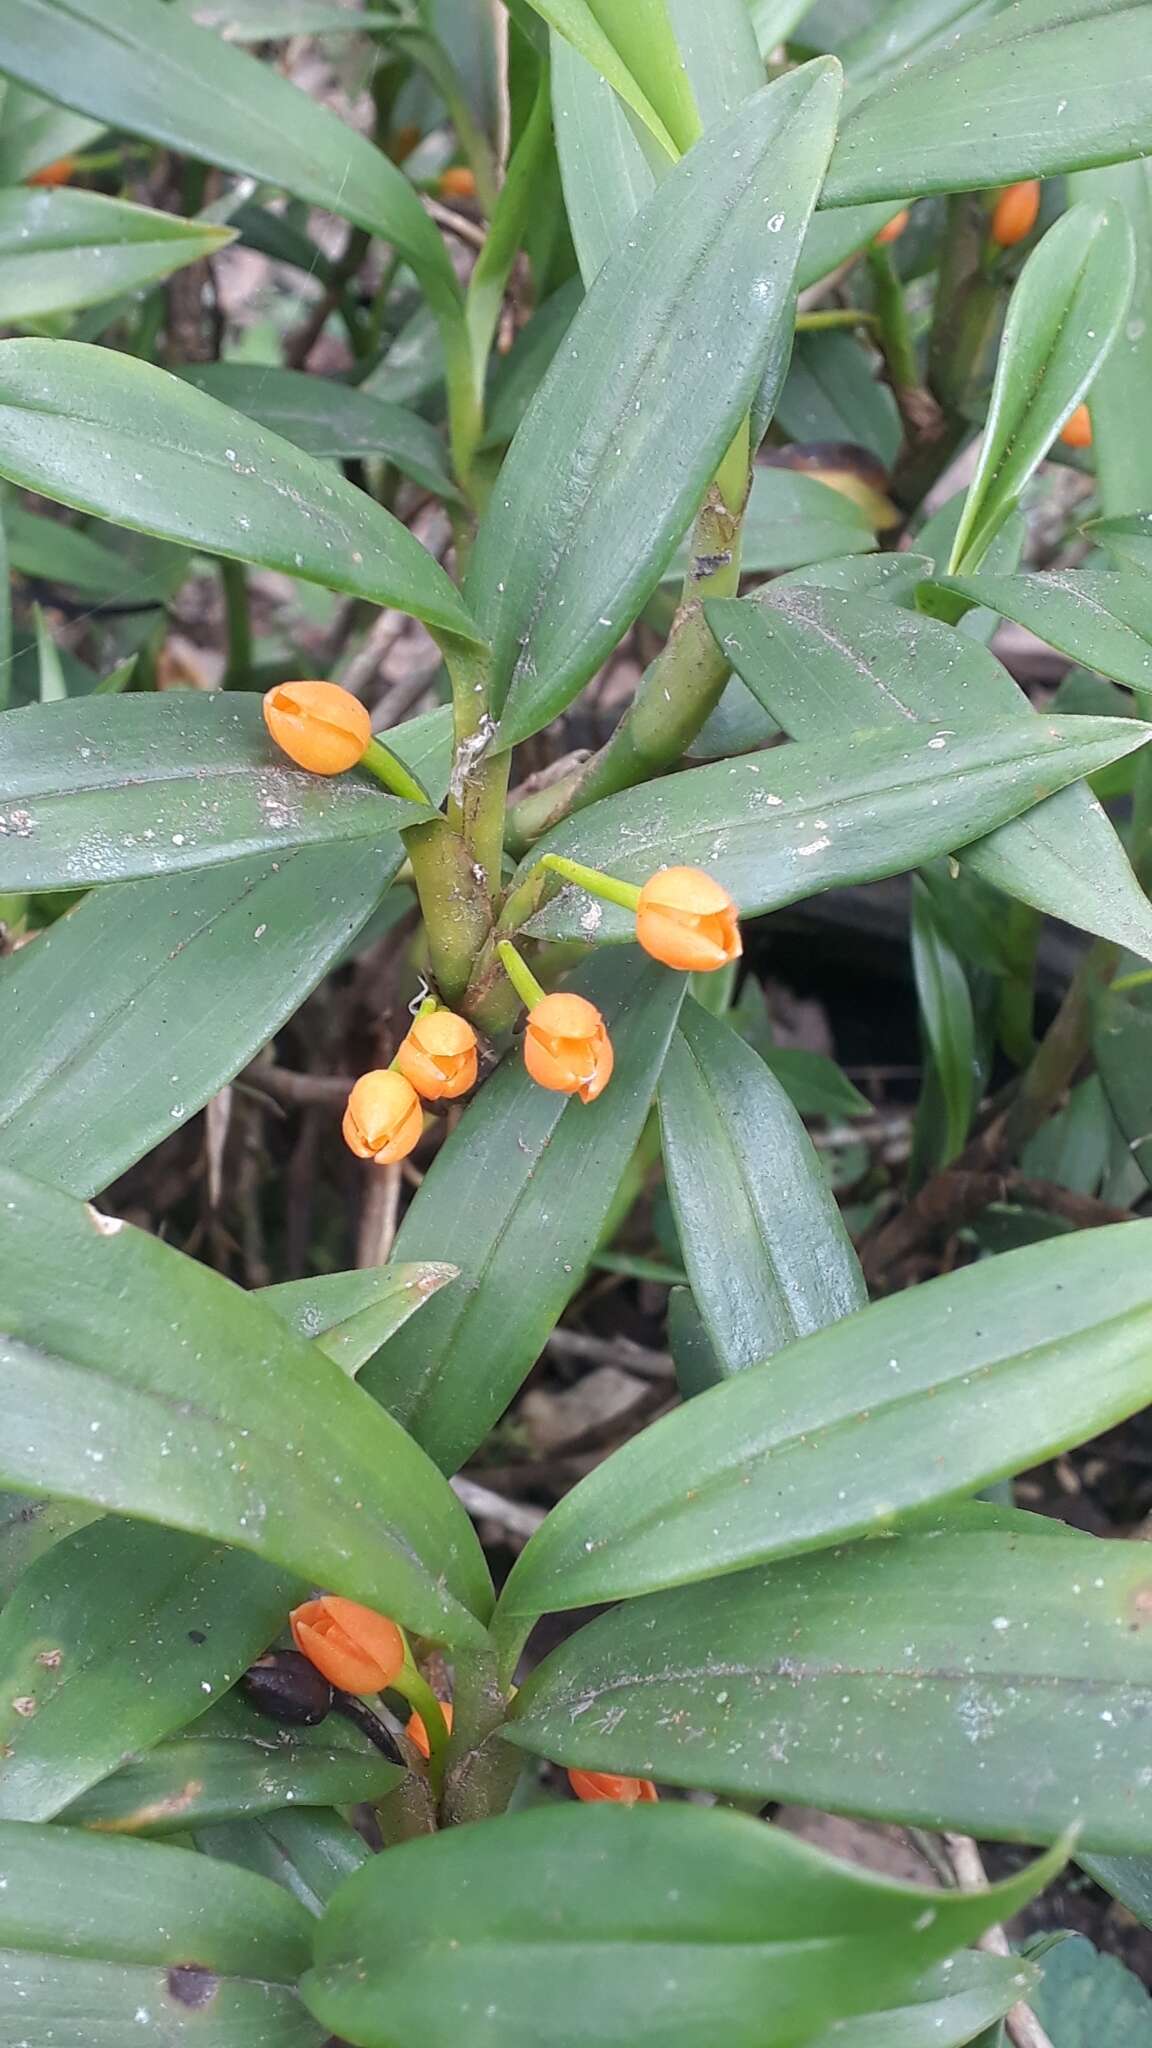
[
  {"x": 834, "y": 316},
  {"x": 457, "y": 915},
  {"x": 520, "y": 975},
  {"x": 478, "y": 789},
  {"x": 482, "y": 1768},
  {"x": 433, "y": 58},
  {"x": 414, "y": 1687},
  {"x": 626, "y": 894},
  {"x": 389, "y": 770},
  {"x": 234, "y": 581},
  {"x": 894, "y": 333}
]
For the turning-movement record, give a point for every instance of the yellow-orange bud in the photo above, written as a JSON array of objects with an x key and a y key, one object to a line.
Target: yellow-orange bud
[
  {"x": 418, "y": 1733},
  {"x": 594, "y": 1785},
  {"x": 355, "y": 1648},
  {"x": 318, "y": 725},
  {"x": 438, "y": 1056},
  {"x": 1015, "y": 213},
  {"x": 687, "y": 919},
  {"x": 458, "y": 182},
  {"x": 892, "y": 230},
  {"x": 384, "y": 1117},
  {"x": 59, "y": 173},
  {"x": 1077, "y": 429},
  {"x": 567, "y": 1047}
]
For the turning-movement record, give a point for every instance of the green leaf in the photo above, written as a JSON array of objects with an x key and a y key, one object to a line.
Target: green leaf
[
  {"x": 184, "y": 979},
  {"x": 34, "y": 133},
  {"x": 196, "y": 95},
  {"x": 570, "y": 1911},
  {"x": 979, "y": 1673},
  {"x": 1045, "y": 86},
  {"x": 54, "y": 553},
  {"x": 1121, "y": 420},
  {"x": 1101, "y": 618},
  {"x": 953, "y": 2003},
  {"x": 29, "y": 1528},
  {"x": 95, "y": 1933},
  {"x": 634, "y": 51},
  {"x": 111, "y": 789},
  {"x": 658, "y": 368},
  {"x": 917, "y": 1399},
  {"x": 351, "y": 1315},
  {"x": 1063, "y": 317},
  {"x": 779, "y": 826},
  {"x": 90, "y": 1675},
  {"x": 1085, "y": 1998},
  {"x": 116, "y": 436},
  {"x": 948, "y": 1024},
  {"x": 61, "y": 249},
  {"x": 309, "y": 1851},
  {"x": 791, "y": 521},
  {"x": 521, "y": 1192},
  {"x": 823, "y": 663},
  {"x": 1128, "y": 1878},
  {"x": 831, "y": 394},
  {"x": 1122, "y": 1044},
  {"x": 231, "y": 1766},
  {"x": 328, "y": 419},
  {"x": 1128, "y": 539},
  {"x": 766, "y": 1251},
  {"x": 243, "y": 23},
  {"x": 320, "y": 1482}
]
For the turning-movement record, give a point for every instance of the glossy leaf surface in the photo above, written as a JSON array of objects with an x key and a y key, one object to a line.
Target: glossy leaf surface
[
  {"x": 570, "y": 1910},
  {"x": 1101, "y": 618},
  {"x": 917, "y": 1399},
  {"x": 323, "y": 1484},
  {"x": 60, "y": 250},
  {"x": 973, "y": 1674},
  {"x": 766, "y": 1252},
  {"x": 350, "y": 1315}
]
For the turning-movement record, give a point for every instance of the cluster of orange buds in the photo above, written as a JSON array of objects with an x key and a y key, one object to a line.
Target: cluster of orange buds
[
  {"x": 437, "y": 1060},
  {"x": 592, "y": 1786},
  {"x": 1015, "y": 213}
]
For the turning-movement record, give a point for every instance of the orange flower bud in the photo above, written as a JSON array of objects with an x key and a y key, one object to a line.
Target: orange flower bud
[
  {"x": 687, "y": 919},
  {"x": 438, "y": 1056},
  {"x": 355, "y": 1648},
  {"x": 59, "y": 173},
  {"x": 893, "y": 230},
  {"x": 567, "y": 1047},
  {"x": 1077, "y": 429},
  {"x": 458, "y": 182},
  {"x": 417, "y": 1732},
  {"x": 318, "y": 725},
  {"x": 1015, "y": 213},
  {"x": 594, "y": 1785},
  {"x": 384, "y": 1118}
]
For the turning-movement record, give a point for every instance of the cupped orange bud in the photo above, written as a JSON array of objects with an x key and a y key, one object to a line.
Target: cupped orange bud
[
  {"x": 1077, "y": 429},
  {"x": 355, "y": 1648},
  {"x": 457, "y": 182},
  {"x": 417, "y": 1732},
  {"x": 567, "y": 1047},
  {"x": 687, "y": 919},
  {"x": 438, "y": 1056},
  {"x": 61, "y": 172},
  {"x": 893, "y": 230},
  {"x": 593, "y": 1785},
  {"x": 318, "y": 725},
  {"x": 1015, "y": 213},
  {"x": 384, "y": 1118}
]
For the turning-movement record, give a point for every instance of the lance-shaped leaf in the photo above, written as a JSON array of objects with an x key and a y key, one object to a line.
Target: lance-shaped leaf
[
  {"x": 109, "y": 789},
  {"x": 979, "y": 1674},
  {"x": 1122, "y": 1043},
  {"x": 1122, "y": 392},
  {"x": 1100, "y": 618},
  {"x": 785, "y": 824},
  {"x": 917, "y": 1399},
  {"x": 34, "y": 133},
  {"x": 634, "y": 52},
  {"x": 328, "y": 419},
  {"x": 308, "y": 1850},
  {"x": 351, "y": 1315},
  {"x": 233, "y": 1765},
  {"x": 60, "y": 250},
  {"x": 1128, "y": 1878},
  {"x": 1045, "y": 86},
  {"x": 170, "y": 1418},
  {"x": 765, "y": 1249},
  {"x": 664, "y": 1926},
  {"x": 117, "y": 1637},
  {"x": 1063, "y": 316},
  {"x": 654, "y": 376},
  {"x": 113, "y": 435},
  {"x": 521, "y": 1193},
  {"x": 96, "y": 1933},
  {"x": 823, "y": 663},
  {"x": 202, "y": 98}
]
